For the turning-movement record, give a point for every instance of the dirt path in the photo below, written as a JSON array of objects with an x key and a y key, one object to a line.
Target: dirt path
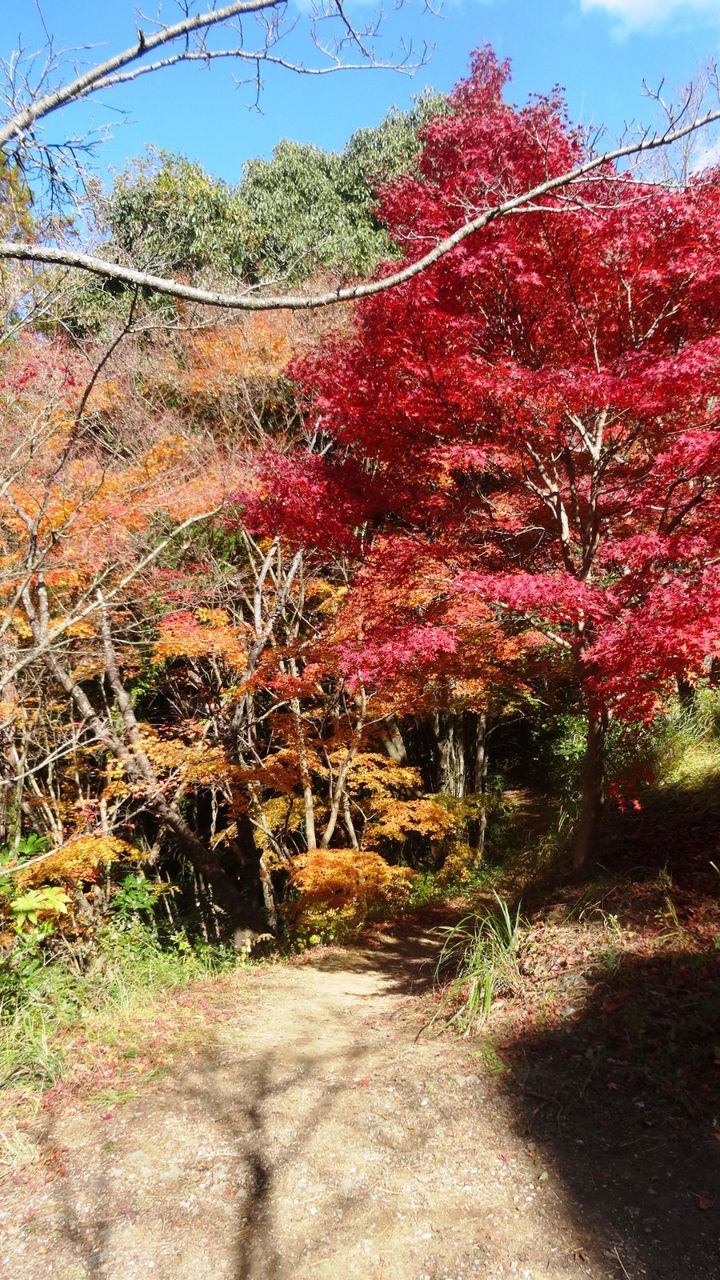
[{"x": 311, "y": 1137}]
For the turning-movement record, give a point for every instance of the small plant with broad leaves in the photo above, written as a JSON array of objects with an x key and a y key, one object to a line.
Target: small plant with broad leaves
[
  {"x": 28, "y": 907},
  {"x": 136, "y": 894},
  {"x": 30, "y": 846}
]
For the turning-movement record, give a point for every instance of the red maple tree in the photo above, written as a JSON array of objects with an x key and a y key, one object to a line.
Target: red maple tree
[{"x": 540, "y": 408}]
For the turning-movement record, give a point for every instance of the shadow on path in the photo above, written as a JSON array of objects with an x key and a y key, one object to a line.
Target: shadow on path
[
  {"x": 317, "y": 1139},
  {"x": 243, "y": 1114},
  {"x": 623, "y": 1105}
]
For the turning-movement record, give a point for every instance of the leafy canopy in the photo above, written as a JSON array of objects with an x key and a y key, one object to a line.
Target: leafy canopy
[
  {"x": 554, "y": 381},
  {"x": 302, "y": 212}
]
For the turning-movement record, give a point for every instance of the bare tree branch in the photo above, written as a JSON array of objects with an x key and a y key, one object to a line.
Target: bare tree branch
[
  {"x": 250, "y": 301},
  {"x": 255, "y": 57},
  {"x": 86, "y": 83}
]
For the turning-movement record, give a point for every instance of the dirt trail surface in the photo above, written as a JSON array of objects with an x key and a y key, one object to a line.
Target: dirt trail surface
[{"x": 314, "y": 1136}]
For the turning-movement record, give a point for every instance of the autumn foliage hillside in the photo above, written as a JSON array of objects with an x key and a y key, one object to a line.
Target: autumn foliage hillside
[{"x": 291, "y": 608}]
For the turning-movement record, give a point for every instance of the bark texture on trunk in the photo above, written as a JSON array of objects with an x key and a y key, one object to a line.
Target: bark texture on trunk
[
  {"x": 11, "y": 787},
  {"x": 478, "y": 732},
  {"x": 593, "y": 790},
  {"x": 451, "y": 764},
  {"x": 451, "y": 751}
]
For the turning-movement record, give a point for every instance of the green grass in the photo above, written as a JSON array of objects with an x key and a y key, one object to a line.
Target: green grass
[
  {"x": 685, "y": 745},
  {"x": 481, "y": 953},
  {"x": 46, "y": 1005}
]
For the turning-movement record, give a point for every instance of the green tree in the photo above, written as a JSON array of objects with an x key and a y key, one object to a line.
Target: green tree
[
  {"x": 167, "y": 211},
  {"x": 15, "y": 201},
  {"x": 300, "y": 213},
  {"x": 307, "y": 210},
  {"x": 16, "y": 220}
]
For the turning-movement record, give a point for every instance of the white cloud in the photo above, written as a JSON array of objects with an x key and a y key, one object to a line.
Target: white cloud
[
  {"x": 707, "y": 157},
  {"x": 633, "y": 15}
]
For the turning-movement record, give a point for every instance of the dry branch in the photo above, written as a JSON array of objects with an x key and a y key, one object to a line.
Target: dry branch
[{"x": 252, "y": 301}]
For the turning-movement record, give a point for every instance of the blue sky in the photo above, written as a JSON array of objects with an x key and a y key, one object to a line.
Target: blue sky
[{"x": 599, "y": 50}]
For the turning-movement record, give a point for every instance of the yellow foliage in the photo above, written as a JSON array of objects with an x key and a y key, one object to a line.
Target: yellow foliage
[
  {"x": 459, "y": 865},
  {"x": 205, "y": 634},
  {"x": 221, "y": 357},
  {"x": 281, "y": 770},
  {"x": 20, "y": 626},
  {"x": 377, "y": 775},
  {"x": 399, "y": 819},
  {"x": 346, "y": 881},
  {"x": 104, "y": 395},
  {"x": 213, "y": 617},
  {"x": 280, "y": 814},
  {"x": 325, "y": 597},
  {"x": 193, "y": 763},
  {"x": 185, "y": 764},
  {"x": 222, "y": 837},
  {"x": 376, "y": 780},
  {"x": 79, "y": 859}
]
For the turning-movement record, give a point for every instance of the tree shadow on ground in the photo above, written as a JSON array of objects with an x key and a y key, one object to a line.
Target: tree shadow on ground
[
  {"x": 227, "y": 1142},
  {"x": 622, "y": 1103},
  {"x": 404, "y": 954},
  {"x": 673, "y": 828},
  {"x": 250, "y": 1113}
]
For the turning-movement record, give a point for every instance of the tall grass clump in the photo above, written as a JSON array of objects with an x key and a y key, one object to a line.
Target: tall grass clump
[
  {"x": 686, "y": 743},
  {"x": 479, "y": 961}
]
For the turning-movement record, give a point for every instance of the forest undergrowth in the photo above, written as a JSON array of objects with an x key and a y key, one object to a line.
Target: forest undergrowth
[
  {"x": 618, "y": 971},
  {"x": 615, "y": 976}
]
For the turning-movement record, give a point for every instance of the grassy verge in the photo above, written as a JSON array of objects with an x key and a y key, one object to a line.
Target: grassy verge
[
  {"x": 105, "y": 1030},
  {"x": 622, "y": 979}
]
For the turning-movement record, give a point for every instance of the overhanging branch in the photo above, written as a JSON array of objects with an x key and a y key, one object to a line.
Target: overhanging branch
[{"x": 252, "y": 301}]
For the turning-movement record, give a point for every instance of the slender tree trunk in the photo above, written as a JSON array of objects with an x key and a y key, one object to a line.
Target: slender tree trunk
[
  {"x": 349, "y": 825},
  {"x": 251, "y": 860},
  {"x": 593, "y": 789},
  {"x": 138, "y": 767},
  {"x": 479, "y": 755},
  {"x": 11, "y": 786},
  {"x": 305, "y": 778},
  {"x": 206, "y": 866},
  {"x": 253, "y": 866},
  {"x": 268, "y": 895},
  {"x": 339, "y": 790}
]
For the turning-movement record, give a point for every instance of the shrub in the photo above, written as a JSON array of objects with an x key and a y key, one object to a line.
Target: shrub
[{"x": 339, "y": 889}]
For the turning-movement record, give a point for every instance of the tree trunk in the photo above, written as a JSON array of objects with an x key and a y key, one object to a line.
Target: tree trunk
[
  {"x": 206, "y": 866},
  {"x": 304, "y": 769},
  {"x": 393, "y": 742},
  {"x": 687, "y": 693},
  {"x": 251, "y": 861},
  {"x": 11, "y": 786},
  {"x": 478, "y": 753},
  {"x": 593, "y": 789},
  {"x": 451, "y": 770},
  {"x": 138, "y": 768},
  {"x": 268, "y": 896}
]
